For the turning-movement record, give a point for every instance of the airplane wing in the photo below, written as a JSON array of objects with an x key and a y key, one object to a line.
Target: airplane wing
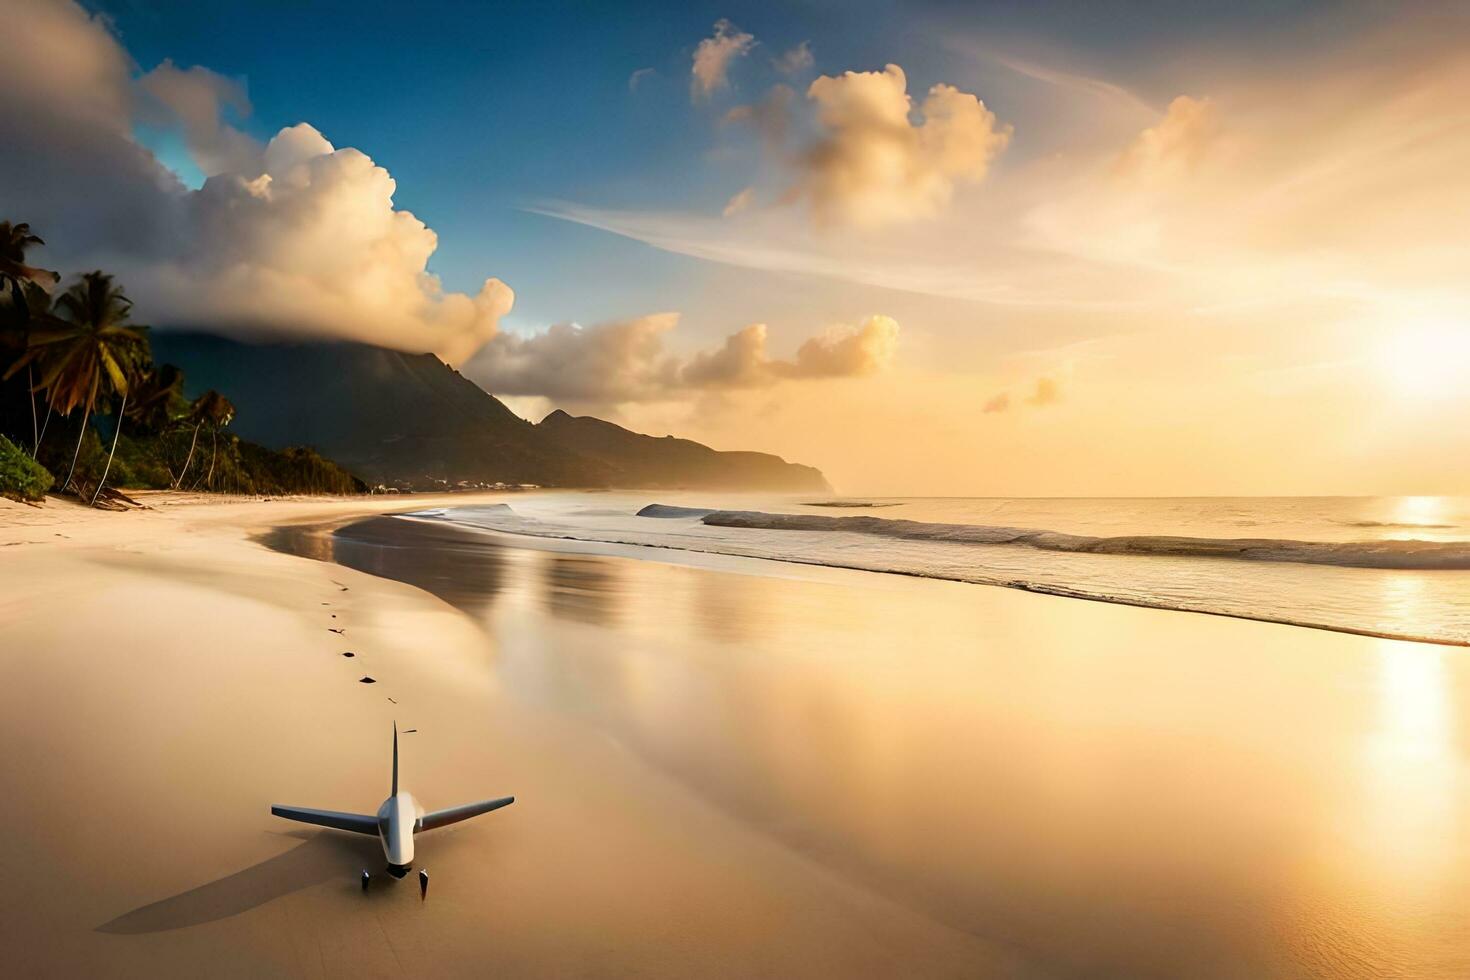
[
  {"x": 357, "y": 823},
  {"x": 442, "y": 818}
]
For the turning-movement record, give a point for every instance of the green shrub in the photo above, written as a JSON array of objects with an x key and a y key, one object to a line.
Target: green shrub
[{"x": 21, "y": 478}]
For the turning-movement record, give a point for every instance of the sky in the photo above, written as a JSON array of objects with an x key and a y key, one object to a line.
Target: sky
[{"x": 942, "y": 249}]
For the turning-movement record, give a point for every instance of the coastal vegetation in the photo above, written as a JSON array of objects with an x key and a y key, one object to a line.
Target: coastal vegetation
[
  {"x": 21, "y": 478},
  {"x": 80, "y": 395}
]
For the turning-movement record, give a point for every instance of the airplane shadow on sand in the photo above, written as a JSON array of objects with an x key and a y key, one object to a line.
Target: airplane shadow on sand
[{"x": 322, "y": 856}]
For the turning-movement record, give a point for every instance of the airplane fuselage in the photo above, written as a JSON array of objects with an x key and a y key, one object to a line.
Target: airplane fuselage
[{"x": 397, "y": 818}]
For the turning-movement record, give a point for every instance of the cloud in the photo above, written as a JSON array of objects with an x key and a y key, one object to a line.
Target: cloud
[
  {"x": 70, "y": 166},
  {"x": 315, "y": 242},
  {"x": 713, "y": 57},
  {"x": 626, "y": 361},
  {"x": 839, "y": 353},
  {"x": 606, "y": 363},
  {"x": 1174, "y": 144},
  {"x": 922, "y": 263},
  {"x": 294, "y": 237},
  {"x": 741, "y": 363},
  {"x": 196, "y": 99},
  {"x": 1062, "y": 79},
  {"x": 796, "y": 60},
  {"x": 771, "y": 116},
  {"x": 638, "y": 76},
  {"x": 872, "y": 167},
  {"x": 739, "y": 202},
  {"x": 1047, "y": 392},
  {"x": 1317, "y": 174}
]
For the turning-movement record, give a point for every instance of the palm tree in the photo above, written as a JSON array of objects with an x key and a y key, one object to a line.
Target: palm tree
[
  {"x": 208, "y": 407},
  {"x": 14, "y": 240},
  {"x": 155, "y": 397},
  {"x": 116, "y": 431},
  {"x": 89, "y": 350},
  {"x": 35, "y": 314},
  {"x": 218, "y": 411}
]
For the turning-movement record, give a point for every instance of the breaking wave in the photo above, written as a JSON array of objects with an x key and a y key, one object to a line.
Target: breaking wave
[
  {"x": 670, "y": 511},
  {"x": 1409, "y": 525},
  {"x": 848, "y": 504},
  {"x": 1408, "y": 555}
]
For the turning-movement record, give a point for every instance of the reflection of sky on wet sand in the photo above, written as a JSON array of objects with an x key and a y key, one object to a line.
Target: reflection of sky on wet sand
[
  {"x": 1131, "y": 792},
  {"x": 1385, "y": 883}
]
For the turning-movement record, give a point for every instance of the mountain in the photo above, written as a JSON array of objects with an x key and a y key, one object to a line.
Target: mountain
[
  {"x": 645, "y": 461},
  {"x": 410, "y": 420},
  {"x": 387, "y": 416}
]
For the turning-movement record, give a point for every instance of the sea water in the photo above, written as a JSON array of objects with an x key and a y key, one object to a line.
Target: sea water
[{"x": 1395, "y": 567}]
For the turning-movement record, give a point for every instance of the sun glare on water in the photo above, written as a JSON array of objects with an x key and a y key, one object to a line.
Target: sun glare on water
[{"x": 1427, "y": 359}]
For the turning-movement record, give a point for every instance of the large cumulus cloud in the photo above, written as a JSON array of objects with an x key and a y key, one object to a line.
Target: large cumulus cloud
[
  {"x": 627, "y": 361},
  {"x": 293, "y": 237},
  {"x": 869, "y": 163},
  {"x": 872, "y": 166}
]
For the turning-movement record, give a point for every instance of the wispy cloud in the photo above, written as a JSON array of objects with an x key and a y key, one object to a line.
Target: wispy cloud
[
  {"x": 779, "y": 248},
  {"x": 1059, "y": 78},
  {"x": 739, "y": 202},
  {"x": 638, "y": 76},
  {"x": 796, "y": 60}
]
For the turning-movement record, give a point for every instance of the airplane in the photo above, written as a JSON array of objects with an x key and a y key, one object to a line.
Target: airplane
[{"x": 397, "y": 820}]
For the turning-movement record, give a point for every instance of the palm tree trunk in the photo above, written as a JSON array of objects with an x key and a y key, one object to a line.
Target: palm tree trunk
[
  {"x": 189, "y": 458},
  {"x": 117, "y": 431},
  {"x": 206, "y": 480},
  {"x": 31, "y": 394},
  {"x": 87, "y": 414},
  {"x": 44, "y": 424},
  {"x": 86, "y": 417}
]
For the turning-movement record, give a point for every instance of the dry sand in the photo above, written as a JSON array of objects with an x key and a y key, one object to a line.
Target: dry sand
[{"x": 164, "y": 679}]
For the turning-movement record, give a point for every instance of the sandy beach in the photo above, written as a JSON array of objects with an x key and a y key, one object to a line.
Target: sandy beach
[
  {"x": 723, "y": 766},
  {"x": 167, "y": 679}
]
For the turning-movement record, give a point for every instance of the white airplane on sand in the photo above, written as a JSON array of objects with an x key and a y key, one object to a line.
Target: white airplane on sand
[{"x": 398, "y": 819}]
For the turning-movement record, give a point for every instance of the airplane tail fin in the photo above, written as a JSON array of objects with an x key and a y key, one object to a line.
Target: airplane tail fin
[{"x": 395, "y": 759}]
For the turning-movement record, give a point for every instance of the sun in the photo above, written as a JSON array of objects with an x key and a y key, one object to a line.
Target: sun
[{"x": 1427, "y": 358}]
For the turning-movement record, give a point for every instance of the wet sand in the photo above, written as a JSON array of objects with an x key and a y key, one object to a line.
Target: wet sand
[{"x": 723, "y": 766}]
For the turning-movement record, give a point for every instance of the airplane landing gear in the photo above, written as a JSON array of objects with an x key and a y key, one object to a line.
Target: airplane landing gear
[
  {"x": 423, "y": 885},
  {"x": 365, "y": 879}
]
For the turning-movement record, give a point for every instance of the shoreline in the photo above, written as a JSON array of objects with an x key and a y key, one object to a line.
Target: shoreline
[
  {"x": 349, "y": 509},
  {"x": 629, "y": 549}
]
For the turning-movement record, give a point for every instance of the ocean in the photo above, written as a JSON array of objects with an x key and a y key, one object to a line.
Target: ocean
[{"x": 1393, "y": 567}]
